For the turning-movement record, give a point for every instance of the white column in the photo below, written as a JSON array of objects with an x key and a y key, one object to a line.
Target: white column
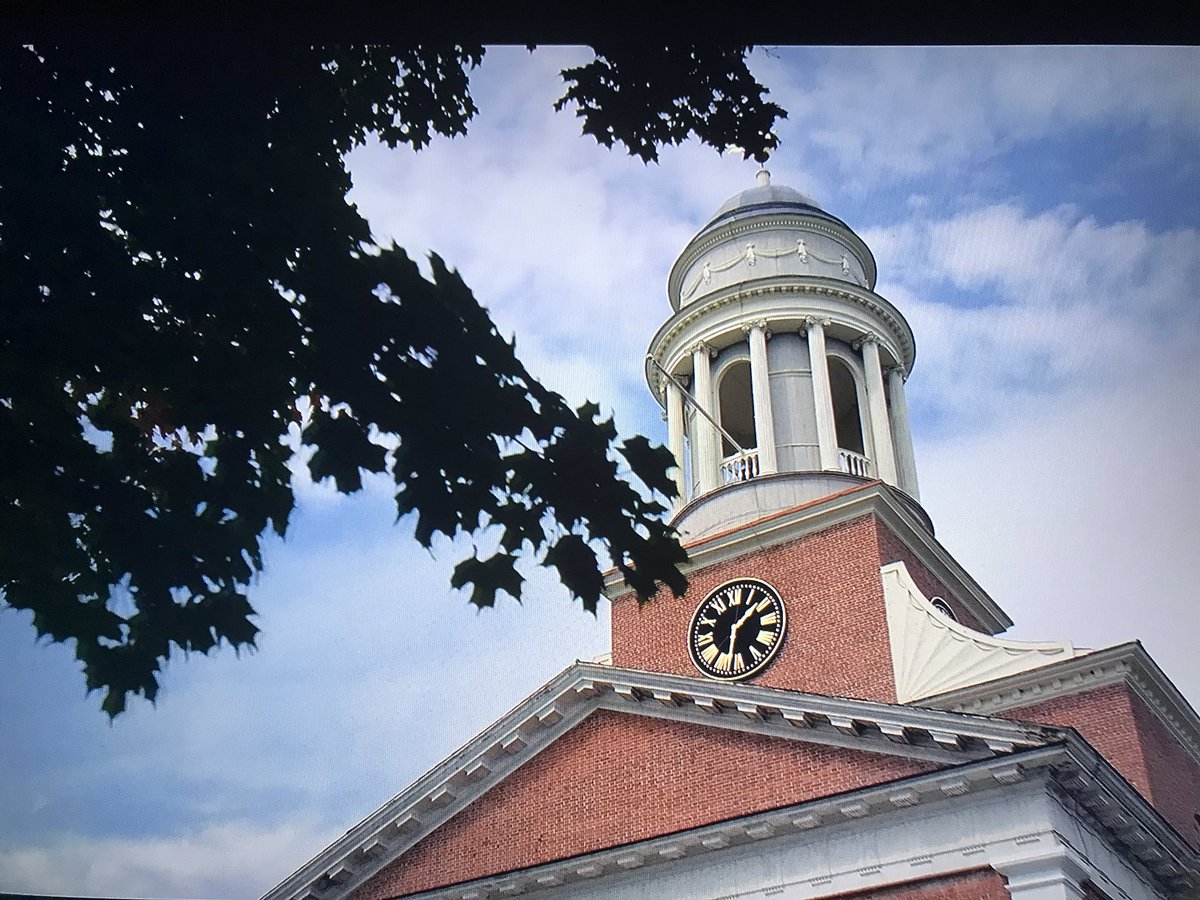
[
  {"x": 826, "y": 433},
  {"x": 675, "y": 430},
  {"x": 1054, "y": 875},
  {"x": 902, "y": 434},
  {"x": 706, "y": 452},
  {"x": 885, "y": 455},
  {"x": 764, "y": 419}
]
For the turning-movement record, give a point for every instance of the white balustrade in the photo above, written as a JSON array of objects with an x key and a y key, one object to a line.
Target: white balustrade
[
  {"x": 740, "y": 467},
  {"x": 854, "y": 463}
]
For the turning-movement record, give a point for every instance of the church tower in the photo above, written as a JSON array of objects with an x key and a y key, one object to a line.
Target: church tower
[
  {"x": 782, "y": 374},
  {"x": 829, "y": 711}
]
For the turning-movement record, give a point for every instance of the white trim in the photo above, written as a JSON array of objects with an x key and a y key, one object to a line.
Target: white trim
[
  {"x": 784, "y": 302},
  {"x": 819, "y": 222}
]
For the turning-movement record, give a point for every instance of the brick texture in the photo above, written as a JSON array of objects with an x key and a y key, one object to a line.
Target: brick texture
[
  {"x": 892, "y": 549},
  {"x": 1129, "y": 735},
  {"x": 837, "y": 641},
  {"x": 980, "y": 884},
  {"x": 1173, "y": 772},
  {"x": 617, "y": 778}
]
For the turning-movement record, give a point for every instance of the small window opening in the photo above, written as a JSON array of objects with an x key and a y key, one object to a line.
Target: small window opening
[
  {"x": 944, "y": 608},
  {"x": 736, "y": 403},
  {"x": 847, "y": 421}
]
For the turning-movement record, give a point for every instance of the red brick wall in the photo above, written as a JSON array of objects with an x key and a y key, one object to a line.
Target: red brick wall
[
  {"x": 1174, "y": 773},
  {"x": 617, "y": 778},
  {"x": 837, "y": 640},
  {"x": 892, "y": 549},
  {"x": 1104, "y": 717},
  {"x": 1117, "y": 723},
  {"x": 981, "y": 884}
]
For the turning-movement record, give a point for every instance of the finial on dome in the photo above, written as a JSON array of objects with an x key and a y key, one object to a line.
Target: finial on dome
[{"x": 764, "y": 177}]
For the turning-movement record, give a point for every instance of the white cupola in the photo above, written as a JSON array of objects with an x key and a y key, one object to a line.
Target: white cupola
[{"x": 781, "y": 370}]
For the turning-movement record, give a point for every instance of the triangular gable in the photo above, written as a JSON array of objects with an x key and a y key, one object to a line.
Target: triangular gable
[
  {"x": 617, "y": 778},
  {"x": 846, "y": 742}
]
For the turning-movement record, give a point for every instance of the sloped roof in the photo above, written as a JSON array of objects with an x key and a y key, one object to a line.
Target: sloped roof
[{"x": 931, "y": 736}]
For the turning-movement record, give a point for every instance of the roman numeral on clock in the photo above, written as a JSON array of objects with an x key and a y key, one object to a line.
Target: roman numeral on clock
[{"x": 736, "y": 630}]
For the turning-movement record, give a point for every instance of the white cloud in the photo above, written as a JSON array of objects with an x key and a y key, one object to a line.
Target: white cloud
[
  {"x": 1056, "y": 305},
  {"x": 361, "y": 639},
  {"x": 235, "y": 859},
  {"x": 901, "y": 112},
  {"x": 1060, "y": 472}
]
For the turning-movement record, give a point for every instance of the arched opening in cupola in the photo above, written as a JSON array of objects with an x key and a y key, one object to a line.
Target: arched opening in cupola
[
  {"x": 847, "y": 417},
  {"x": 735, "y": 404}
]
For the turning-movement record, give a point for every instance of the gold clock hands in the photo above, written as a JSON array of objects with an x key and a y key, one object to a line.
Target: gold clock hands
[{"x": 733, "y": 630}]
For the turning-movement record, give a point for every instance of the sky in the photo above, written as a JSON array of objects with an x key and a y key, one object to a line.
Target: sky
[{"x": 1035, "y": 214}]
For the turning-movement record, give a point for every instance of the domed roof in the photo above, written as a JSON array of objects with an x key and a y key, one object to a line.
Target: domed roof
[{"x": 762, "y": 197}]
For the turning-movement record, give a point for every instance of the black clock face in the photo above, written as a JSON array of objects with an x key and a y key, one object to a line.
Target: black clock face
[{"x": 737, "y": 630}]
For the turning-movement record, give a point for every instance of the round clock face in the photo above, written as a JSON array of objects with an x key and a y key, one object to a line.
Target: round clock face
[{"x": 737, "y": 630}]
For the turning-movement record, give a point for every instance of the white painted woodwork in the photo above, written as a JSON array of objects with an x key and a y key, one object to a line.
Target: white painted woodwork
[
  {"x": 822, "y": 395},
  {"x": 706, "y": 438},
  {"x": 902, "y": 434},
  {"x": 764, "y": 420},
  {"x": 675, "y": 439},
  {"x": 933, "y": 654},
  {"x": 881, "y": 432}
]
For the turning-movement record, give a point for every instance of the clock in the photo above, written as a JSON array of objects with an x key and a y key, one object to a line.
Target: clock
[{"x": 737, "y": 630}]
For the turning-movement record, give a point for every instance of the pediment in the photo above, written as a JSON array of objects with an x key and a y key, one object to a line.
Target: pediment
[
  {"x": 618, "y": 778},
  {"x": 694, "y": 728}
]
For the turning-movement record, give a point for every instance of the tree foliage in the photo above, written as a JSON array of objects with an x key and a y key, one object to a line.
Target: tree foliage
[{"x": 187, "y": 301}]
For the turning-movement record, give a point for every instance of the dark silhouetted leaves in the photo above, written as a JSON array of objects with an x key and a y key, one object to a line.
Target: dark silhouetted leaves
[
  {"x": 578, "y": 569},
  {"x": 650, "y": 463},
  {"x": 343, "y": 450},
  {"x": 487, "y": 576},
  {"x": 646, "y": 97},
  {"x": 185, "y": 296}
]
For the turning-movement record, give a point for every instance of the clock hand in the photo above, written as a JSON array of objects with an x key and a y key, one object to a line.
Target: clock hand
[{"x": 733, "y": 630}]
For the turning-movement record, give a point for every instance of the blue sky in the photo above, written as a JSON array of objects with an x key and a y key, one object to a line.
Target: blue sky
[{"x": 1034, "y": 213}]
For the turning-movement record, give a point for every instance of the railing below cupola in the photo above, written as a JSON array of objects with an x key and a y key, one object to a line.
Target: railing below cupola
[
  {"x": 740, "y": 467},
  {"x": 745, "y": 465},
  {"x": 854, "y": 463}
]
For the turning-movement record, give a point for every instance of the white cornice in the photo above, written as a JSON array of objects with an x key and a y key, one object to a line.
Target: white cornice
[
  {"x": 810, "y": 518},
  {"x": 756, "y": 297},
  {"x": 1127, "y": 663},
  {"x": 936, "y": 736}
]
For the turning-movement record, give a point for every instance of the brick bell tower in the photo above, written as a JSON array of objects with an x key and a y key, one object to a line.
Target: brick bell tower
[{"x": 782, "y": 373}]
